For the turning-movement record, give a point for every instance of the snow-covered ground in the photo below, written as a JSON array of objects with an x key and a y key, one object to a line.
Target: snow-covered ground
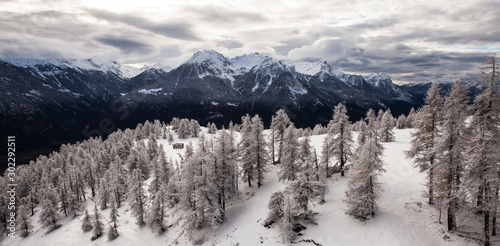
[{"x": 404, "y": 217}]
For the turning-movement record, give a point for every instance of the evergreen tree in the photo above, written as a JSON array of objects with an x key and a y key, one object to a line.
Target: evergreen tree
[
  {"x": 137, "y": 198},
  {"x": 156, "y": 216},
  {"x": 424, "y": 138},
  {"x": 386, "y": 125},
  {"x": 363, "y": 188},
  {"x": 183, "y": 129},
  {"x": 23, "y": 223},
  {"x": 87, "y": 222},
  {"x": 226, "y": 169},
  {"x": 113, "y": 220},
  {"x": 341, "y": 136},
  {"x": 104, "y": 195},
  {"x": 482, "y": 171},
  {"x": 449, "y": 151},
  {"x": 279, "y": 124},
  {"x": 97, "y": 225},
  {"x": 258, "y": 146},
  {"x": 401, "y": 123},
  {"x": 290, "y": 154},
  {"x": 275, "y": 206},
  {"x": 247, "y": 155},
  {"x": 194, "y": 128},
  {"x": 410, "y": 119}
]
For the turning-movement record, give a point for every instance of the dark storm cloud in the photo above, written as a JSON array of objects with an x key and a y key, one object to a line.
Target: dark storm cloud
[
  {"x": 172, "y": 29},
  {"x": 126, "y": 45}
]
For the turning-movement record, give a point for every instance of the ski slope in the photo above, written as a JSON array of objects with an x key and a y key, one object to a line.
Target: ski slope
[{"x": 404, "y": 218}]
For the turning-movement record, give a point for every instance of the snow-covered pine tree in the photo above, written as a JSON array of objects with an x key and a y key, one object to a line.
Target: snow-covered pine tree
[
  {"x": 290, "y": 154},
  {"x": 194, "y": 128},
  {"x": 23, "y": 222},
  {"x": 137, "y": 197},
  {"x": 113, "y": 222},
  {"x": 245, "y": 146},
  {"x": 104, "y": 195},
  {"x": 87, "y": 222},
  {"x": 287, "y": 222},
  {"x": 275, "y": 206},
  {"x": 363, "y": 188},
  {"x": 450, "y": 159},
  {"x": 410, "y": 119},
  {"x": 424, "y": 138},
  {"x": 98, "y": 227},
  {"x": 183, "y": 129},
  {"x": 152, "y": 148},
  {"x": 386, "y": 125},
  {"x": 279, "y": 124},
  {"x": 401, "y": 123},
  {"x": 482, "y": 171},
  {"x": 49, "y": 217},
  {"x": 226, "y": 169},
  {"x": 212, "y": 128},
  {"x": 156, "y": 215},
  {"x": 258, "y": 146},
  {"x": 341, "y": 141}
]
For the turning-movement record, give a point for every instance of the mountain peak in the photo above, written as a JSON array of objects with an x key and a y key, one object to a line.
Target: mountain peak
[
  {"x": 248, "y": 61},
  {"x": 210, "y": 56},
  {"x": 315, "y": 68},
  {"x": 378, "y": 79},
  {"x": 89, "y": 64}
]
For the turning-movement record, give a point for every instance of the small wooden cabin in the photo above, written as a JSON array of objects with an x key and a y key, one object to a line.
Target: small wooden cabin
[{"x": 178, "y": 145}]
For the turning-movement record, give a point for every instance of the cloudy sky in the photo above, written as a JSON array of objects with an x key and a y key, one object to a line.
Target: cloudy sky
[{"x": 412, "y": 41}]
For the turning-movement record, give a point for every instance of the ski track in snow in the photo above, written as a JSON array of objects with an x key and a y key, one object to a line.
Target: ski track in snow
[{"x": 404, "y": 218}]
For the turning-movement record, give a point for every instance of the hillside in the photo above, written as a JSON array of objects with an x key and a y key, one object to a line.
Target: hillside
[{"x": 404, "y": 217}]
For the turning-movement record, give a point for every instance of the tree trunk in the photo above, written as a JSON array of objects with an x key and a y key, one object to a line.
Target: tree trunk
[
  {"x": 431, "y": 186},
  {"x": 486, "y": 228}
]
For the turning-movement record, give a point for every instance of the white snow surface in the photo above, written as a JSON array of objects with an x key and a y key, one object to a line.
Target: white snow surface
[
  {"x": 248, "y": 61},
  {"x": 313, "y": 68},
  {"x": 404, "y": 218},
  {"x": 124, "y": 71}
]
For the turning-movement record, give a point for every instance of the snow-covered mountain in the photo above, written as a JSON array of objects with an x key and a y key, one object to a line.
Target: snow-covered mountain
[{"x": 67, "y": 98}]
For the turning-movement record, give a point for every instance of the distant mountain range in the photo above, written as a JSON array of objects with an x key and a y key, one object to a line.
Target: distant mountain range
[{"x": 49, "y": 102}]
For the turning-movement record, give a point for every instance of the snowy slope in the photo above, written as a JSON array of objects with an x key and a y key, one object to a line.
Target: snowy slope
[
  {"x": 124, "y": 71},
  {"x": 403, "y": 219}
]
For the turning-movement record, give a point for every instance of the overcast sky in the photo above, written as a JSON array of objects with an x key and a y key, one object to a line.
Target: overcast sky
[{"x": 412, "y": 41}]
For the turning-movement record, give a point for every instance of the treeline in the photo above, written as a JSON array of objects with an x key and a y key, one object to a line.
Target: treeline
[{"x": 460, "y": 153}]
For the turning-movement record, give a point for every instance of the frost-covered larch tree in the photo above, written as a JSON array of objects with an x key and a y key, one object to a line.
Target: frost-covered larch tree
[
  {"x": 137, "y": 197},
  {"x": 156, "y": 215},
  {"x": 363, "y": 188},
  {"x": 290, "y": 157},
  {"x": 258, "y": 146},
  {"x": 341, "y": 136},
  {"x": 86, "y": 222},
  {"x": 482, "y": 171},
  {"x": 279, "y": 124},
  {"x": 113, "y": 222},
  {"x": 450, "y": 159},
  {"x": 23, "y": 222},
  {"x": 98, "y": 226},
  {"x": 424, "y": 138},
  {"x": 246, "y": 151},
  {"x": 386, "y": 125},
  {"x": 226, "y": 169}
]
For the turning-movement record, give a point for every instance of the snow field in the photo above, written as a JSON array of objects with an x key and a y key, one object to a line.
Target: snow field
[{"x": 404, "y": 218}]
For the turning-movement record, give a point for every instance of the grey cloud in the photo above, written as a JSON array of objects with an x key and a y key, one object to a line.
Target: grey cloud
[
  {"x": 126, "y": 45},
  {"x": 231, "y": 44},
  {"x": 174, "y": 29},
  {"x": 222, "y": 15}
]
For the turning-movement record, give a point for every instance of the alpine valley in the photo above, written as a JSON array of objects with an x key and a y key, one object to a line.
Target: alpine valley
[{"x": 46, "y": 103}]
